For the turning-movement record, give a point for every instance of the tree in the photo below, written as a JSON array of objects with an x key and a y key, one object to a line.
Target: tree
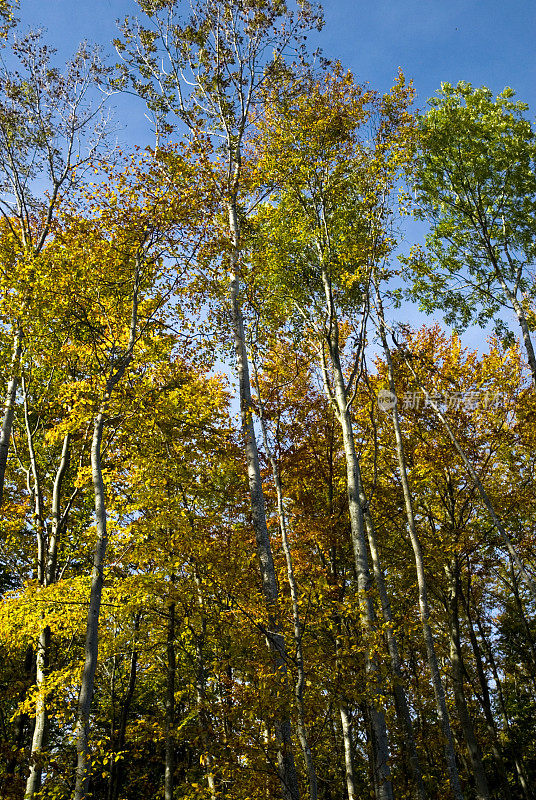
[
  {"x": 424, "y": 607},
  {"x": 7, "y": 8},
  {"x": 230, "y": 51},
  {"x": 51, "y": 129},
  {"x": 322, "y": 232},
  {"x": 454, "y": 536},
  {"x": 122, "y": 249},
  {"x": 475, "y": 182},
  {"x": 298, "y": 631}
]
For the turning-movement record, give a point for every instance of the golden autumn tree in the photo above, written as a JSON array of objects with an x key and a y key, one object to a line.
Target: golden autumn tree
[{"x": 322, "y": 234}]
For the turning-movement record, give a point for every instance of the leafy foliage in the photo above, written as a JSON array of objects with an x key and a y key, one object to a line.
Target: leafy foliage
[{"x": 115, "y": 269}]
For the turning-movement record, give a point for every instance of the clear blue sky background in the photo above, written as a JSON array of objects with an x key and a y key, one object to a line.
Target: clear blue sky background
[{"x": 487, "y": 42}]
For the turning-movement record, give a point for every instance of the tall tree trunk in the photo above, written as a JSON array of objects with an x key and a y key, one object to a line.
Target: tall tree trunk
[
  {"x": 92, "y": 628},
  {"x": 21, "y": 720},
  {"x": 424, "y": 609},
  {"x": 525, "y": 330},
  {"x": 169, "y": 768},
  {"x": 520, "y": 772},
  {"x": 97, "y": 575},
  {"x": 200, "y": 683},
  {"x": 9, "y": 408},
  {"x": 485, "y": 698},
  {"x": 348, "y": 750},
  {"x": 275, "y": 639},
  {"x": 299, "y": 684},
  {"x": 514, "y": 302},
  {"x": 58, "y": 520},
  {"x": 473, "y": 748},
  {"x": 117, "y": 768},
  {"x": 339, "y": 396},
  {"x": 343, "y": 706},
  {"x": 39, "y": 733},
  {"x": 531, "y": 661},
  {"x": 46, "y": 571},
  {"x": 477, "y": 653},
  {"x": 401, "y": 701},
  {"x": 36, "y": 493}
]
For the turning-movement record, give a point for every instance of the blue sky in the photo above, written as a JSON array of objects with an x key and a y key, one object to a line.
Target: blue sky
[
  {"x": 487, "y": 42},
  {"x": 482, "y": 41}
]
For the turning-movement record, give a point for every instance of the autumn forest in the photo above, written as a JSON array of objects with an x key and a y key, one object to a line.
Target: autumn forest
[{"x": 261, "y": 538}]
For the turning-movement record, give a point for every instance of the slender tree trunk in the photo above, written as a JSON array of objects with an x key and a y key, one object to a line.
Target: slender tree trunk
[
  {"x": 275, "y": 639},
  {"x": 53, "y": 541},
  {"x": 494, "y": 672},
  {"x": 226, "y": 703},
  {"x": 439, "y": 691},
  {"x": 225, "y": 732},
  {"x": 169, "y": 770},
  {"x": 299, "y": 685},
  {"x": 117, "y": 768},
  {"x": 267, "y": 783},
  {"x": 401, "y": 702},
  {"x": 486, "y": 700},
  {"x": 9, "y": 408},
  {"x": 473, "y": 748},
  {"x": 374, "y": 777},
  {"x": 531, "y": 661},
  {"x": 426, "y": 735},
  {"x": 482, "y": 679},
  {"x": 92, "y": 630},
  {"x": 39, "y": 734},
  {"x": 377, "y": 717},
  {"x": 97, "y": 575},
  {"x": 36, "y": 494},
  {"x": 525, "y": 330},
  {"x": 348, "y": 750},
  {"x": 46, "y": 558},
  {"x": 200, "y": 682},
  {"x": 357, "y": 526},
  {"x": 344, "y": 711},
  {"x": 520, "y": 772},
  {"x": 20, "y": 721},
  {"x": 518, "y": 309}
]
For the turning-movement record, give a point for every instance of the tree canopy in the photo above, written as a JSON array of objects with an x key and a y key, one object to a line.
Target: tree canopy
[{"x": 260, "y": 537}]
